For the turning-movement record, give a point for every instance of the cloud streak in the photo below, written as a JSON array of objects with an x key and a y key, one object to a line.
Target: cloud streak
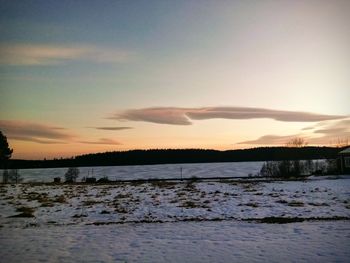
[
  {"x": 46, "y": 134},
  {"x": 272, "y": 140},
  {"x": 104, "y": 141},
  {"x": 111, "y": 128},
  {"x": 185, "y": 116},
  {"x": 332, "y": 132},
  {"x": 34, "y": 132},
  {"x": 322, "y": 133},
  {"x": 30, "y": 54},
  {"x": 36, "y": 140}
]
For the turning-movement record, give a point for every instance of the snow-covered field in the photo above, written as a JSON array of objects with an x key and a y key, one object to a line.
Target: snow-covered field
[
  {"x": 222, "y": 221},
  {"x": 237, "y": 169},
  {"x": 63, "y": 204},
  {"x": 226, "y": 241}
]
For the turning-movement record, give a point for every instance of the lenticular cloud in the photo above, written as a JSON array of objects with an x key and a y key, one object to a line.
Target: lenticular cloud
[{"x": 185, "y": 116}]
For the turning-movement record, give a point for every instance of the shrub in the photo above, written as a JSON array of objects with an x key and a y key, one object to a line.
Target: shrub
[
  {"x": 14, "y": 176},
  {"x": 286, "y": 168},
  {"x": 57, "y": 179},
  {"x": 332, "y": 166},
  {"x": 90, "y": 180},
  {"x": 11, "y": 176},
  {"x": 5, "y": 176},
  {"x": 71, "y": 174},
  {"x": 269, "y": 169},
  {"x": 104, "y": 179}
]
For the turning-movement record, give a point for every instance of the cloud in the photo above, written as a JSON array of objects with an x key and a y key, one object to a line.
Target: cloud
[
  {"x": 334, "y": 131},
  {"x": 175, "y": 116},
  {"x": 34, "y": 132},
  {"x": 271, "y": 140},
  {"x": 30, "y": 54},
  {"x": 322, "y": 133},
  {"x": 111, "y": 128},
  {"x": 333, "y": 128},
  {"x": 184, "y": 116},
  {"x": 102, "y": 141},
  {"x": 45, "y": 134},
  {"x": 31, "y": 139}
]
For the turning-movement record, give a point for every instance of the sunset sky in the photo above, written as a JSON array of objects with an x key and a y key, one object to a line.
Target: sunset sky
[{"x": 93, "y": 76}]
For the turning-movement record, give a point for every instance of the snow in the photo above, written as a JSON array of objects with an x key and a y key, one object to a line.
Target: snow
[
  {"x": 237, "y": 169},
  {"x": 212, "y": 221},
  {"x": 226, "y": 241},
  {"x": 173, "y": 201}
]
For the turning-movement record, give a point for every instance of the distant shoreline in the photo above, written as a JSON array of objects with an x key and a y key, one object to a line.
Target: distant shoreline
[{"x": 177, "y": 156}]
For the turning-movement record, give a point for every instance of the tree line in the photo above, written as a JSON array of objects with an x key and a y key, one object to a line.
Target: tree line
[
  {"x": 170, "y": 156},
  {"x": 295, "y": 150}
]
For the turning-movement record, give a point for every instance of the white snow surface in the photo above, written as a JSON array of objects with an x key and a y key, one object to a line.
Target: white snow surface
[
  {"x": 226, "y": 241},
  {"x": 231, "y": 169},
  {"x": 176, "y": 221},
  {"x": 172, "y": 201}
]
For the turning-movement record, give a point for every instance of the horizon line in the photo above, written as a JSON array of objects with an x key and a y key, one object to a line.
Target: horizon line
[{"x": 179, "y": 149}]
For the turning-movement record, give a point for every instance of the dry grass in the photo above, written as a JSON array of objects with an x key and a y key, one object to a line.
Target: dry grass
[
  {"x": 123, "y": 196},
  {"x": 192, "y": 204},
  {"x": 60, "y": 199},
  {"x": 121, "y": 209},
  {"x": 318, "y": 204},
  {"x": 296, "y": 204},
  {"x": 164, "y": 184},
  {"x": 188, "y": 204},
  {"x": 91, "y": 202},
  {"x": 24, "y": 212},
  {"x": 252, "y": 205}
]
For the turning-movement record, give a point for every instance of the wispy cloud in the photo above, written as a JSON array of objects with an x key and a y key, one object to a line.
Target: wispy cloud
[
  {"x": 46, "y": 134},
  {"x": 34, "y": 132},
  {"x": 326, "y": 132},
  {"x": 271, "y": 140},
  {"x": 33, "y": 139},
  {"x": 175, "y": 116},
  {"x": 102, "y": 141},
  {"x": 334, "y": 129},
  {"x": 184, "y": 116},
  {"x": 30, "y": 54},
  {"x": 111, "y": 128}
]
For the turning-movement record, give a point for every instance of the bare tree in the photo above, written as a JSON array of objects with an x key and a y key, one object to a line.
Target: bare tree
[
  {"x": 295, "y": 167},
  {"x": 71, "y": 174},
  {"x": 342, "y": 142},
  {"x": 14, "y": 176},
  {"x": 297, "y": 142},
  {"x": 287, "y": 168},
  {"x": 5, "y": 176}
]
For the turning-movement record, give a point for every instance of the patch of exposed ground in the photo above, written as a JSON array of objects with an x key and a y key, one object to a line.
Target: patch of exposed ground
[{"x": 162, "y": 201}]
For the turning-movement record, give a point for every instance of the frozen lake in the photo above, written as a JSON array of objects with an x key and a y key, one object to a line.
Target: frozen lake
[{"x": 233, "y": 169}]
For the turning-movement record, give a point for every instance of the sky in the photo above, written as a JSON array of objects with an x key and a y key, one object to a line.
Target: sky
[{"x": 93, "y": 76}]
